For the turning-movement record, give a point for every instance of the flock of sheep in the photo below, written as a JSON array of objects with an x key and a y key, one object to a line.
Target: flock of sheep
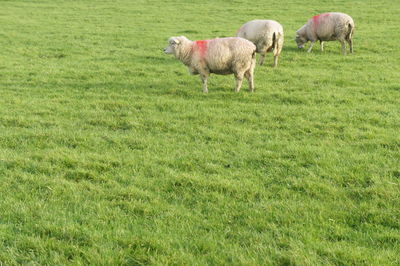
[{"x": 236, "y": 55}]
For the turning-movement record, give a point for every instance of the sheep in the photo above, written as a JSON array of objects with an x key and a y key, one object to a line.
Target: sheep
[
  {"x": 327, "y": 27},
  {"x": 267, "y": 35},
  {"x": 222, "y": 56}
]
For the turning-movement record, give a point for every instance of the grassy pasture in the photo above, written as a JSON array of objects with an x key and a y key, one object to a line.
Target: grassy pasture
[{"x": 111, "y": 154}]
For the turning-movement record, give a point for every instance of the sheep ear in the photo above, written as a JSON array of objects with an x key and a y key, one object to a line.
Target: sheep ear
[{"x": 174, "y": 40}]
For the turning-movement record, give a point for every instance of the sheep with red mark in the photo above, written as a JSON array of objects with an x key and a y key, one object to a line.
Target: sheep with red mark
[
  {"x": 267, "y": 35},
  {"x": 222, "y": 56},
  {"x": 327, "y": 27}
]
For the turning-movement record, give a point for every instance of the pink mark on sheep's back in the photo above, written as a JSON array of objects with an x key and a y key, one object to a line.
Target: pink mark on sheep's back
[
  {"x": 201, "y": 46},
  {"x": 316, "y": 18}
]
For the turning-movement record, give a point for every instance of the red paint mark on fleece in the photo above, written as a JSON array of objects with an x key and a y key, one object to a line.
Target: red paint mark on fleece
[
  {"x": 316, "y": 18},
  {"x": 201, "y": 46}
]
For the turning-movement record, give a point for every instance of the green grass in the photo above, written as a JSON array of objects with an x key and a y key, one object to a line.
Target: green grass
[{"x": 111, "y": 154}]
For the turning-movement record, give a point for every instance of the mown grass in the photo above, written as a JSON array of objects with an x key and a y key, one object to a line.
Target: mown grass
[{"x": 110, "y": 153}]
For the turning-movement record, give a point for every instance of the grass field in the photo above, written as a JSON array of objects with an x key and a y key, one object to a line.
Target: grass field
[{"x": 111, "y": 154}]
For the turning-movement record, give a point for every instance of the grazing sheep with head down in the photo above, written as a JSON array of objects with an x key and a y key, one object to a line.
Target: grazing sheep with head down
[
  {"x": 220, "y": 56},
  {"x": 327, "y": 27},
  {"x": 267, "y": 35}
]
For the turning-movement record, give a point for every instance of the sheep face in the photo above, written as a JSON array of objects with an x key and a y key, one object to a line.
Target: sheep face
[
  {"x": 301, "y": 41},
  {"x": 173, "y": 44}
]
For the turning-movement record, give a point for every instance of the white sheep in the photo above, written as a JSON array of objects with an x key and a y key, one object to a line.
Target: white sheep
[
  {"x": 327, "y": 27},
  {"x": 267, "y": 35},
  {"x": 220, "y": 56}
]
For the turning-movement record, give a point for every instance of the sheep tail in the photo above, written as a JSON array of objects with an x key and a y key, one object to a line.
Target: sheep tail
[
  {"x": 275, "y": 42},
  {"x": 350, "y": 31}
]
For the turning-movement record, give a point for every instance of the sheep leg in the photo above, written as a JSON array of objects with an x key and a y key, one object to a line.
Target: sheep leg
[
  {"x": 350, "y": 41},
  {"x": 322, "y": 46},
  {"x": 262, "y": 58},
  {"x": 311, "y": 46},
  {"x": 239, "y": 80},
  {"x": 343, "y": 43},
  {"x": 275, "y": 60},
  {"x": 249, "y": 77},
  {"x": 276, "y": 55},
  {"x": 204, "y": 82},
  {"x": 277, "y": 50},
  {"x": 250, "y": 73}
]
